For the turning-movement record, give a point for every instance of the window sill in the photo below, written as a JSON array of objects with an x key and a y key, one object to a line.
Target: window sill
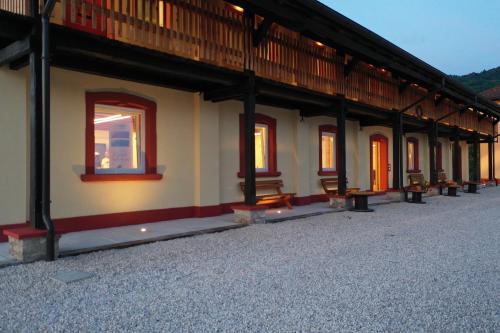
[
  {"x": 262, "y": 174},
  {"x": 327, "y": 173},
  {"x": 119, "y": 177}
]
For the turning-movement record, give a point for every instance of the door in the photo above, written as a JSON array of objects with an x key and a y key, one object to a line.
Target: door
[{"x": 379, "y": 163}]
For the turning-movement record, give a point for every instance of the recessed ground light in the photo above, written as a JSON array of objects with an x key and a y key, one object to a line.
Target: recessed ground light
[
  {"x": 143, "y": 230},
  {"x": 279, "y": 211}
]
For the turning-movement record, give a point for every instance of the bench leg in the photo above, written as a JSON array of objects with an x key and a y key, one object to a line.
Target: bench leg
[
  {"x": 452, "y": 192},
  {"x": 472, "y": 188},
  {"x": 287, "y": 202},
  {"x": 416, "y": 197},
  {"x": 361, "y": 204}
]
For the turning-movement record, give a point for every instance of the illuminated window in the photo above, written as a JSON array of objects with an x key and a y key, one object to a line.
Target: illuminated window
[
  {"x": 327, "y": 150},
  {"x": 265, "y": 146},
  {"x": 261, "y": 147},
  {"x": 412, "y": 155},
  {"x": 118, "y": 139}
]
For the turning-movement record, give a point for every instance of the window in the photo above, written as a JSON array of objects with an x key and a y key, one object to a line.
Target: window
[
  {"x": 412, "y": 155},
  {"x": 439, "y": 156},
  {"x": 261, "y": 148},
  {"x": 120, "y": 137},
  {"x": 265, "y": 146},
  {"x": 327, "y": 150}
]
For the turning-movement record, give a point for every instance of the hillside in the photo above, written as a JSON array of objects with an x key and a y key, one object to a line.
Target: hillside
[{"x": 480, "y": 81}]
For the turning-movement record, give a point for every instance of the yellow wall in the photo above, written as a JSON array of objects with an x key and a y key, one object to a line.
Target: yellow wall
[
  {"x": 175, "y": 147},
  {"x": 13, "y": 147},
  {"x": 197, "y": 147}
]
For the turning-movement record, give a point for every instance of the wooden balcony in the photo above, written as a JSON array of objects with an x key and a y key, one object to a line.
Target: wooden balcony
[{"x": 218, "y": 33}]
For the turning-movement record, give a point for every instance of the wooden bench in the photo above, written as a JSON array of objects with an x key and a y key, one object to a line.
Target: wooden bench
[
  {"x": 270, "y": 192},
  {"x": 331, "y": 185},
  {"x": 471, "y": 186},
  {"x": 443, "y": 182}
]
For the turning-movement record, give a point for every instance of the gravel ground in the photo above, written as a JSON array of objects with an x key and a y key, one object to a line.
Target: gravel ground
[{"x": 433, "y": 267}]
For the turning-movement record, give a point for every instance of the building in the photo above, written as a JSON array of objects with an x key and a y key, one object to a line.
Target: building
[
  {"x": 159, "y": 109},
  {"x": 493, "y": 95}
]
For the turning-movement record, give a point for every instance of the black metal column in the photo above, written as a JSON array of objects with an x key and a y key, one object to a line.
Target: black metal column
[
  {"x": 494, "y": 161},
  {"x": 35, "y": 124},
  {"x": 477, "y": 160},
  {"x": 432, "y": 136},
  {"x": 342, "y": 173},
  {"x": 456, "y": 156},
  {"x": 397, "y": 156},
  {"x": 249, "y": 116},
  {"x": 491, "y": 163}
]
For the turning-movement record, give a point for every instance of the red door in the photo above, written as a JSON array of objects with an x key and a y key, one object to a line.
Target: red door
[{"x": 379, "y": 163}]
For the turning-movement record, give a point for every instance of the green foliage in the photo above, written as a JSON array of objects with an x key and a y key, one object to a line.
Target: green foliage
[{"x": 480, "y": 81}]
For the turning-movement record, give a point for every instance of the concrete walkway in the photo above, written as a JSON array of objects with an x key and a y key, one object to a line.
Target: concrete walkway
[{"x": 119, "y": 237}]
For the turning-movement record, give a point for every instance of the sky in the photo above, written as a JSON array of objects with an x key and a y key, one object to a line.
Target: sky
[{"x": 455, "y": 36}]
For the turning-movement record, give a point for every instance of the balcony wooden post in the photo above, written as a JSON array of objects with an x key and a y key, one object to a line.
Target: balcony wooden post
[
  {"x": 341, "y": 142},
  {"x": 397, "y": 165},
  {"x": 249, "y": 116}
]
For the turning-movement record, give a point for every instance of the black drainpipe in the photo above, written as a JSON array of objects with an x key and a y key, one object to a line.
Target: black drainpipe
[{"x": 47, "y": 221}]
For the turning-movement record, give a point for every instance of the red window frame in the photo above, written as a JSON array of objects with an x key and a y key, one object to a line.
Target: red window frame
[
  {"x": 439, "y": 157},
  {"x": 327, "y": 129},
  {"x": 272, "y": 162},
  {"x": 123, "y": 100},
  {"x": 416, "y": 168}
]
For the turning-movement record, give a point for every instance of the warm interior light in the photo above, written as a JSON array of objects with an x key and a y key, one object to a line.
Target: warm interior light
[
  {"x": 319, "y": 44},
  {"x": 238, "y": 9},
  {"x": 110, "y": 118}
]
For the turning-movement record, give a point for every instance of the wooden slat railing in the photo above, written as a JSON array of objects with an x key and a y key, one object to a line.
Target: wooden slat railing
[
  {"x": 212, "y": 31},
  {"x": 21, "y": 7}
]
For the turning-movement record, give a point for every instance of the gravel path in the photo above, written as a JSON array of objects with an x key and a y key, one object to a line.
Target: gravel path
[{"x": 433, "y": 267}]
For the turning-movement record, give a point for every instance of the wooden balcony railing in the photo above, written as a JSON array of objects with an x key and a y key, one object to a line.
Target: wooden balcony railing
[
  {"x": 21, "y": 7},
  {"x": 215, "y": 32}
]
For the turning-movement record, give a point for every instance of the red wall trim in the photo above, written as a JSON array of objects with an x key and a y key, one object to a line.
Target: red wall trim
[
  {"x": 81, "y": 223},
  {"x": 302, "y": 201},
  {"x": 272, "y": 163},
  {"x": 125, "y": 100},
  {"x": 3, "y": 238},
  {"x": 416, "y": 168},
  {"x": 327, "y": 129}
]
